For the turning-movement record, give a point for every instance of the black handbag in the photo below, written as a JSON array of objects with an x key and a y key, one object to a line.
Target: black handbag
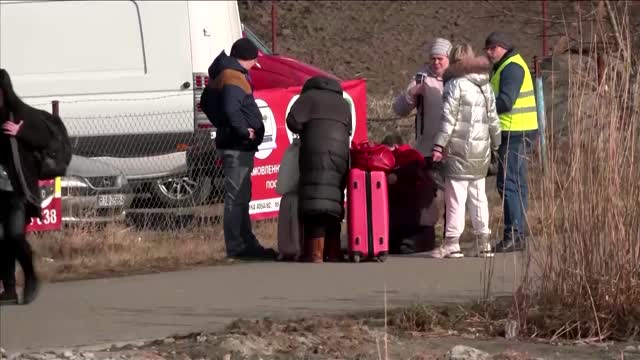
[{"x": 493, "y": 164}]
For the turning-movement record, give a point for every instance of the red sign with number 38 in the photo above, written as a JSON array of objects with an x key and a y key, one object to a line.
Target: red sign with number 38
[{"x": 50, "y": 192}]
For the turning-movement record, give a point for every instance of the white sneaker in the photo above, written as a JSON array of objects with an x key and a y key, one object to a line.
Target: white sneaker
[
  {"x": 483, "y": 247},
  {"x": 485, "y": 252},
  {"x": 454, "y": 254},
  {"x": 449, "y": 252}
]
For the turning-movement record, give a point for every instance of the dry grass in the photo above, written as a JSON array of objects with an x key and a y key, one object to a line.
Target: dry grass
[
  {"x": 478, "y": 319},
  {"x": 381, "y": 120},
  {"x": 117, "y": 250},
  {"x": 587, "y": 249}
]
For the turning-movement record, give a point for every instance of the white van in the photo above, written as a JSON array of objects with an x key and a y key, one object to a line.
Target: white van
[{"x": 127, "y": 75}]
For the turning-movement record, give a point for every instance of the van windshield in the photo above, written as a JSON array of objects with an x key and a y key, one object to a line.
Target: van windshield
[{"x": 256, "y": 40}]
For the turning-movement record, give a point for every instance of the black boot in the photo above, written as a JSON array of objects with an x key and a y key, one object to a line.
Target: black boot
[
  {"x": 511, "y": 245},
  {"x": 31, "y": 282},
  {"x": 31, "y": 289},
  {"x": 9, "y": 296}
]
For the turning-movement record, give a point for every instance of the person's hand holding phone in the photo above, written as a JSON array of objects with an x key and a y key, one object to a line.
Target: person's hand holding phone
[{"x": 418, "y": 88}]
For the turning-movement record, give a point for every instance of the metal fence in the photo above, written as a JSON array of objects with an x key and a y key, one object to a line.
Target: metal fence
[{"x": 141, "y": 169}]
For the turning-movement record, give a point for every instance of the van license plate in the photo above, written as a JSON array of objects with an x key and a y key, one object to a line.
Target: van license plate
[{"x": 110, "y": 200}]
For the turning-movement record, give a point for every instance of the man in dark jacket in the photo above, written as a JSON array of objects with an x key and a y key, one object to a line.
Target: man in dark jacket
[
  {"x": 19, "y": 198},
  {"x": 322, "y": 117},
  {"x": 516, "y": 106},
  {"x": 231, "y": 108}
]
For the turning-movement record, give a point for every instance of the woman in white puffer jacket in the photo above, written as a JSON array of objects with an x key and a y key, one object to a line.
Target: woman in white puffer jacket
[{"x": 469, "y": 131}]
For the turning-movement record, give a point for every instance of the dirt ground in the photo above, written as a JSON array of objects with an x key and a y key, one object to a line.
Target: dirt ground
[
  {"x": 383, "y": 41},
  {"x": 344, "y": 338},
  {"x": 118, "y": 250}
]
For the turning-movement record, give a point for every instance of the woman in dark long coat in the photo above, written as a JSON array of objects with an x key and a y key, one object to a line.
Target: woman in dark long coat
[
  {"x": 25, "y": 124},
  {"x": 322, "y": 117}
]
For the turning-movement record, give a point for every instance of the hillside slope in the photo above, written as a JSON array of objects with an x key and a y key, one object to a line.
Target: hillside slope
[{"x": 384, "y": 41}]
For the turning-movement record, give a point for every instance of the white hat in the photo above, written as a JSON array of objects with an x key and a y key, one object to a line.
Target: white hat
[{"x": 440, "y": 46}]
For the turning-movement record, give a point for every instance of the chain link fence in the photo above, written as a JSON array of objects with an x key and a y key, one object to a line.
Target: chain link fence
[{"x": 142, "y": 170}]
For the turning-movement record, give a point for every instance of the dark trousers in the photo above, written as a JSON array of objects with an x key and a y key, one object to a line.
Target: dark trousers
[
  {"x": 238, "y": 235},
  {"x": 321, "y": 226},
  {"x": 13, "y": 240},
  {"x": 436, "y": 171},
  {"x": 512, "y": 182},
  {"x": 411, "y": 239}
]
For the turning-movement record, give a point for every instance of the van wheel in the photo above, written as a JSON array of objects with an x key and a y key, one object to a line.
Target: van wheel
[{"x": 182, "y": 191}]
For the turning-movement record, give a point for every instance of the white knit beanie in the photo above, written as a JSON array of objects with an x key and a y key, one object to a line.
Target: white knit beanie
[{"x": 440, "y": 46}]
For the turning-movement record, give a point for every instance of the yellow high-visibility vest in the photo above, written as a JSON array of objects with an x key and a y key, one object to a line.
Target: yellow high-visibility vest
[{"x": 523, "y": 116}]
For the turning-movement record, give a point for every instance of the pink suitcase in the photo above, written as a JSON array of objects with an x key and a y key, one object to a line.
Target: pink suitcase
[{"x": 367, "y": 215}]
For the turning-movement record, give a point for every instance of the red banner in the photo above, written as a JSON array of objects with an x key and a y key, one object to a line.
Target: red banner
[
  {"x": 51, "y": 207},
  {"x": 275, "y": 105}
]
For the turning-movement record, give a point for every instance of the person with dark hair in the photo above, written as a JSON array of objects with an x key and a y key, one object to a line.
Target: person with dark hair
[
  {"x": 231, "y": 107},
  {"x": 516, "y": 105},
  {"x": 18, "y": 185},
  {"x": 322, "y": 117}
]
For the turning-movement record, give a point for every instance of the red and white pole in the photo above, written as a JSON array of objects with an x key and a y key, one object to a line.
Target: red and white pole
[{"x": 274, "y": 26}]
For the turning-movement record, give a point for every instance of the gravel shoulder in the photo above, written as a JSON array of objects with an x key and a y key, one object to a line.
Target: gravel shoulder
[{"x": 337, "y": 338}]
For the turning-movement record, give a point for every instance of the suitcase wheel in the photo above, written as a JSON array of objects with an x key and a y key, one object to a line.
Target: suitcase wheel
[
  {"x": 382, "y": 257},
  {"x": 355, "y": 258}
]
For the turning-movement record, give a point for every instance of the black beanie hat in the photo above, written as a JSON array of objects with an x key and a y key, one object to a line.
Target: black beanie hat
[
  {"x": 244, "y": 49},
  {"x": 498, "y": 39}
]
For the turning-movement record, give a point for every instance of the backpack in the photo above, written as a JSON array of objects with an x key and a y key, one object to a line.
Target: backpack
[
  {"x": 55, "y": 158},
  {"x": 206, "y": 106}
]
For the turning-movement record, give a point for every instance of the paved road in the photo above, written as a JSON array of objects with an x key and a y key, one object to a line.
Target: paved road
[{"x": 150, "y": 306}]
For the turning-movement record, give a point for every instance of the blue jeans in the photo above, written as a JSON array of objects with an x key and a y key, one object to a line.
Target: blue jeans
[
  {"x": 512, "y": 183},
  {"x": 238, "y": 235}
]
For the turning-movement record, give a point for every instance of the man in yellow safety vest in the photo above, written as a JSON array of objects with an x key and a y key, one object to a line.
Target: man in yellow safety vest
[{"x": 516, "y": 105}]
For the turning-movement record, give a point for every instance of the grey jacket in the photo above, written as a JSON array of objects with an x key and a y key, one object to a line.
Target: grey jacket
[
  {"x": 470, "y": 127},
  {"x": 428, "y": 113}
]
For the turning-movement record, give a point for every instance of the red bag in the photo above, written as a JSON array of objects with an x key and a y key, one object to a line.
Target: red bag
[
  {"x": 406, "y": 155},
  {"x": 369, "y": 156}
]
